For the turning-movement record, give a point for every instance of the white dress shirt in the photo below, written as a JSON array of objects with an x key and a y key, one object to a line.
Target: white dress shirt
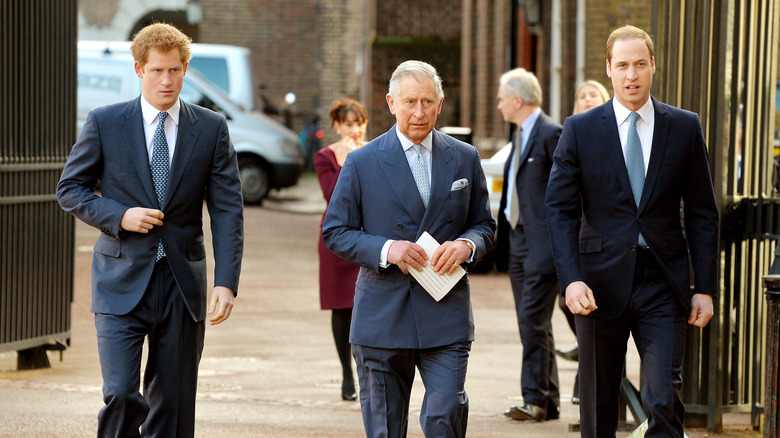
[
  {"x": 150, "y": 115},
  {"x": 644, "y": 127}
]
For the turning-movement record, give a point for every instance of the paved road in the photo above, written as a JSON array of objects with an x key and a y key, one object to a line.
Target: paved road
[{"x": 271, "y": 370}]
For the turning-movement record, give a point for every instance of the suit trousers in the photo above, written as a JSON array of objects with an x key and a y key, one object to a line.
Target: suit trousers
[
  {"x": 535, "y": 296},
  {"x": 658, "y": 323},
  {"x": 167, "y": 406},
  {"x": 386, "y": 377}
]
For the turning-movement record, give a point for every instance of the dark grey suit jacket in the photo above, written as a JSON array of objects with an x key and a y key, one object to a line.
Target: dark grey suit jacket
[
  {"x": 532, "y": 176},
  {"x": 111, "y": 151}
]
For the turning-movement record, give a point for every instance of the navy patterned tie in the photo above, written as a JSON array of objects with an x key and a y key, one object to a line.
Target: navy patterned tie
[
  {"x": 635, "y": 164},
  {"x": 420, "y": 172},
  {"x": 160, "y": 167}
]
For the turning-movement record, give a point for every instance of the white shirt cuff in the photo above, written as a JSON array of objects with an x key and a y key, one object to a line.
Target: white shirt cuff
[{"x": 383, "y": 256}]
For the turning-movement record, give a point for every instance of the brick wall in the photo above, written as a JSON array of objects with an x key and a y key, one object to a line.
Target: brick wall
[
  {"x": 426, "y": 31},
  {"x": 603, "y": 16},
  {"x": 284, "y": 38},
  {"x": 343, "y": 40}
]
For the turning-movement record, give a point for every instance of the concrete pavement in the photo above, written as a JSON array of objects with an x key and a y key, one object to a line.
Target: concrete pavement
[{"x": 271, "y": 370}]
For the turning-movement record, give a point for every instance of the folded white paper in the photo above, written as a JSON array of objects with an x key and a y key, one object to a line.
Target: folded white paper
[{"x": 436, "y": 285}]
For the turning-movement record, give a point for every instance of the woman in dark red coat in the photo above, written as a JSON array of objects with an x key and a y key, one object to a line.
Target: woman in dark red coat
[{"x": 337, "y": 276}]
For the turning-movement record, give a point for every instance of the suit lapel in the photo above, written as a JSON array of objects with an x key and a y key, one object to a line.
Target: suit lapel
[
  {"x": 186, "y": 140},
  {"x": 657, "y": 151},
  {"x": 399, "y": 176},
  {"x": 136, "y": 143},
  {"x": 443, "y": 165},
  {"x": 609, "y": 131},
  {"x": 529, "y": 145}
]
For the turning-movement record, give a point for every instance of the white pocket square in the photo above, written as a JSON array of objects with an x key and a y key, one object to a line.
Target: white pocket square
[{"x": 459, "y": 184}]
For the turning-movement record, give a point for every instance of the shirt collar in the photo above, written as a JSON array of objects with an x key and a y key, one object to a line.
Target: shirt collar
[
  {"x": 530, "y": 121},
  {"x": 622, "y": 113},
  {"x": 150, "y": 113},
  {"x": 427, "y": 142}
]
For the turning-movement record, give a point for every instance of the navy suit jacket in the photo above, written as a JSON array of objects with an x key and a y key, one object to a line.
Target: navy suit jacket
[
  {"x": 594, "y": 221},
  {"x": 531, "y": 185},
  {"x": 376, "y": 199},
  {"x": 112, "y": 150}
]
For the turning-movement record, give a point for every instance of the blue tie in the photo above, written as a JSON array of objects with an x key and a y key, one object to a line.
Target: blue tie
[
  {"x": 420, "y": 172},
  {"x": 160, "y": 167},
  {"x": 635, "y": 164}
]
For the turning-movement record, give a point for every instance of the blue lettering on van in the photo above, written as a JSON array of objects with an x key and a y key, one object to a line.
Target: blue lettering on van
[{"x": 100, "y": 82}]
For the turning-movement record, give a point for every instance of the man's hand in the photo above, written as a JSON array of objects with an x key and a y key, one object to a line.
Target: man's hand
[
  {"x": 141, "y": 220},
  {"x": 579, "y": 298},
  {"x": 701, "y": 310},
  {"x": 402, "y": 252},
  {"x": 449, "y": 255},
  {"x": 222, "y": 302}
]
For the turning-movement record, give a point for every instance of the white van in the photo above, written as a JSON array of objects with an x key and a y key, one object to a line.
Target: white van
[
  {"x": 269, "y": 154},
  {"x": 227, "y": 67}
]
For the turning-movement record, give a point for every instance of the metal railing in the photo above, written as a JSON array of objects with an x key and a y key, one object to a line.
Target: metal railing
[
  {"x": 718, "y": 59},
  {"x": 37, "y": 128}
]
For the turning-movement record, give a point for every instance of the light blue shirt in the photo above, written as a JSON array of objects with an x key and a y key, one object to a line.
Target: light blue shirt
[
  {"x": 527, "y": 125},
  {"x": 426, "y": 151}
]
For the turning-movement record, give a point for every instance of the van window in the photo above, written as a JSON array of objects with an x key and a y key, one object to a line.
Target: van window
[
  {"x": 214, "y": 69},
  {"x": 193, "y": 95}
]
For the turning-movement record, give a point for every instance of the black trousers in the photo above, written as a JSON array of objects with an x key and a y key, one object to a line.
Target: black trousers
[
  {"x": 167, "y": 406},
  {"x": 658, "y": 323},
  {"x": 535, "y": 294}
]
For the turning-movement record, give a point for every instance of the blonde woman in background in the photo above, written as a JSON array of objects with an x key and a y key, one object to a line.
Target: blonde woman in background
[{"x": 589, "y": 94}]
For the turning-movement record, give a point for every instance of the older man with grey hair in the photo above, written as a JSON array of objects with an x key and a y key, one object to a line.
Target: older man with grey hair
[
  {"x": 523, "y": 243},
  {"x": 408, "y": 181}
]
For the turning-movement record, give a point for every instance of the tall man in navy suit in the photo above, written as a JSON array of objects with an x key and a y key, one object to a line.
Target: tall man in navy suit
[
  {"x": 523, "y": 241},
  {"x": 157, "y": 159},
  {"x": 407, "y": 181},
  {"x": 621, "y": 172}
]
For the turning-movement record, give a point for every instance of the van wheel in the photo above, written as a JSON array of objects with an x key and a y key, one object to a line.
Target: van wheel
[{"x": 254, "y": 180}]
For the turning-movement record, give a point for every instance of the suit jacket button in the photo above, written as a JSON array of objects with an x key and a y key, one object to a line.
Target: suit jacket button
[
  {"x": 449, "y": 221},
  {"x": 633, "y": 248},
  {"x": 400, "y": 226}
]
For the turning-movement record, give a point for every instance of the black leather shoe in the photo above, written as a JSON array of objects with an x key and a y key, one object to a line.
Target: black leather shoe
[
  {"x": 527, "y": 412},
  {"x": 348, "y": 396},
  {"x": 348, "y": 391},
  {"x": 572, "y": 355},
  {"x": 553, "y": 414}
]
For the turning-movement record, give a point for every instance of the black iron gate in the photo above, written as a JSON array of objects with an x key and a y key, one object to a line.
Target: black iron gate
[
  {"x": 719, "y": 59},
  {"x": 37, "y": 128}
]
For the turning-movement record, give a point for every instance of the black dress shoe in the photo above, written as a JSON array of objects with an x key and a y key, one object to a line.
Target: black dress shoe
[
  {"x": 348, "y": 396},
  {"x": 572, "y": 355},
  {"x": 348, "y": 391},
  {"x": 527, "y": 412},
  {"x": 553, "y": 414}
]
